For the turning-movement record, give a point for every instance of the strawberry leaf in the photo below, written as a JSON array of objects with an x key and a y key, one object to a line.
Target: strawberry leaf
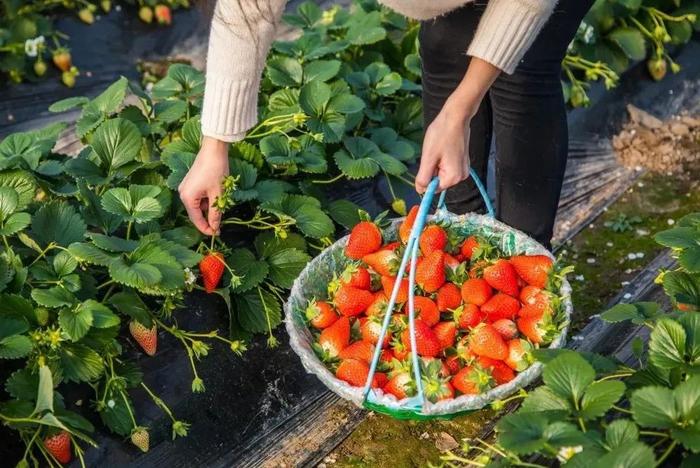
[
  {"x": 15, "y": 223},
  {"x": 54, "y": 297},
  {"x": 75, "y": 322},
  {"x": 137, "y": 275},
  {"x": 9, "y": 200},
  {"x": 285, "y": 266},
  {"x": 15, "y": 347},
  {"x": 116, "y": 142},
  {"x": 80, "y": 363},
  {"x": 258, "y": 310},
  {"x": 251, "y": 270},
  {"x": 58, "y": 222},
  {"x": 89, "y": 253},
  {"x": 130, "y": 304},
  {"x": 266, "y": 243}
]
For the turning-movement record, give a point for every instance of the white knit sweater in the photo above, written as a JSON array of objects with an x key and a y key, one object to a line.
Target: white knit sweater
[{"x": 242, "y": 32}]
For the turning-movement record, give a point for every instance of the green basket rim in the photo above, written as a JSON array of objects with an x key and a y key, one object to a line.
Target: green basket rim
[{"x": 412, "y": 415}]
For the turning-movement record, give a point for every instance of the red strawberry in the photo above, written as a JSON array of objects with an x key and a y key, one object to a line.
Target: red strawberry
[
  {"x": 212, "y": 269},
  {"x": 399, "y": 350},
  {"x": 534, "y": 269},
  {"x": 370, "y": 329},
  {"x": 335, "y": 338},
  {"x": 484, "y": 340},
  {"x": 379, "y": 380},
  {"x": 501, "y": 306},
  {"x": 59, "y": 445},
  {"x": 425, "y": 309},
  {"x": 400, "y": 385},
  {"x": 356, "y": 276},
  {"x": 427, "y": 344},
  {"x": 387, "y": 356},
  {"x": 436, "y": 385},
  {"x": 384, "y": 262},
  {"x": 430, "y": 274},
  {"x": 499, "y": 370},
  {"x": 163, "y": 15},
  {"x": 353, "y": 371},
  {"x": 477, "y": 268},
  {"x": 362, "y": 350},
  {"x": 365, "y": 238},
  {"x": 468, "y": 316},
  {"x": 468, "y": 246},
  {"x": 448, "y": 297},
  {"x": 147, "y": 338},
  {"x": 320, "y": 314},
  {"x": 537, "y": 329},
  {"x": 451, "y": 262},
  {"x": 446, "y": 333},
  {"x": 379, "y": 305},
  {"x": 432, "y": 238},
  {"x": 537, "y": 298},
  {"x": 506, "y": 328},
  {"x": 453, "y": 364},
  {"x": 388, "y": 286},
  {"x": 476, "y": 291},
  {"x": 472, "y": 380},
  {"x": 531, "y": 311},
  {"x": 519, "y": 357},
  {"x": 407, "y": 224},
  {"x": 391, "y": 246},
  {"x": 502, "y": 276},
  {"x": 352, "y": 301}
]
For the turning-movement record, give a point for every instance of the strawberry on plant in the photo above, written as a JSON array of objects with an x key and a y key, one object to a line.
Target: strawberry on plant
[
  {"x": 468, "y": 316},
  {"x": 140, "y": 438},
  {"x": 499, "y": 370},
  {"x": 365, "y": 238},
  {"x": 320, "y": 314},
  {"x": 146, "y": 14},
  {"x": 68, "y": 78},
  {"x": 147, "y": 338},
  {"x": 432, "y": 238},
  {"x": 476, "y": 291},
  {"x": 519, "y": 357},
  {"x": 62, "y": 59},
  {"x": 657, "y": 68},
  {"x": 427, "y": 343},
  {"x": 446, "y": 332},
  {"x": 362, "y": 350},
  {"x": 106, "y": 5},
  {"x": 399, "y": 206},
  {"x": 86, "y": 15},
  {"x": 533, "y": 269},
  {"x": 163, "y": 14},
  {"x": 430, "y": 274},
  {"x": 388, "y": 286},
  {"x": 425, "y": 309},
  {"x": 484, "y": 340},
  {"x": 384, "y": 262},
  {"x": 212, "y": 269},
  {"x": 407, "y": 224},
  {"x": 448, "y": 297},
  {"x": 59, "y": 445},
  {"x": 501, "y": 306},
  {"x": 506, "y": 327},
  {"x": 502, "y": 276},
  {"x": 352, "y": 301},
  {"x": 472, "y": 380},
  {"x": 40, "y": 67},
  {"x": 436, "y": 386}
]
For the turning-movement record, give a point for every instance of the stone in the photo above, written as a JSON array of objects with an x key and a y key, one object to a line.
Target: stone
[
  {"x": 643, "y": 118},
  {"x": 679, "y": 129},
  {"x": 445, "y": 442}
]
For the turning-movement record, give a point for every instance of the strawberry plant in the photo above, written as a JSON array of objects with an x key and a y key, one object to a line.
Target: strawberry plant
[{"x": 594, "y": 411}]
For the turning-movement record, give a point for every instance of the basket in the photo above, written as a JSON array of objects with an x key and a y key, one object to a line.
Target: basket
[{"x": 314, "y": 279}]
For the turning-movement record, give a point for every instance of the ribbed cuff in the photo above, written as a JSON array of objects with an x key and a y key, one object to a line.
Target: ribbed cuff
[
  {"x": 506, "y": 30},
  {"x": 230, "y": 107}
]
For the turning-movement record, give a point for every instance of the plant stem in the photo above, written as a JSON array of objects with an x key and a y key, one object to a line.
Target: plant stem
[
  {"x": 128, "y": 230},
  {"x": 621, "y": 410},
  {"x": 329, "y": 181},
  {"x": 128, "y": 408},
  {"x": 668, "y": 451},
  {"x": 654, "y": 433}
]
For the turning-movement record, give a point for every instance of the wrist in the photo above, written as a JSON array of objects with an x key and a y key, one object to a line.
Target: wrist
[
  {"x": 213, "y": 147},
  {"x": 460, "y": 109}
]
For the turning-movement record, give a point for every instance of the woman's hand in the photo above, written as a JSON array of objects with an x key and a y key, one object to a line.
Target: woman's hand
[{"x": 202, "y": 185}]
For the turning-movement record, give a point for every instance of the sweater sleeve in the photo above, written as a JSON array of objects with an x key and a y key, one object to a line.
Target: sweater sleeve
[
  {"x": 507, "y": 29},
  {"x": 240, "y": 38}
]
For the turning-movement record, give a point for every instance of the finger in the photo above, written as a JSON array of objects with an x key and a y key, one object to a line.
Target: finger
[
  {"x": 213, "y": 214},
  {"x": 192, "y": 204},
  {"x": 426, "y": 171}
]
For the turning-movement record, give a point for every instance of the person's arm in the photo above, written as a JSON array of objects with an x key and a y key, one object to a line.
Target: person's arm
[
  {"x": 240, "y": 38},
  {"x": 506, "y": 31}
]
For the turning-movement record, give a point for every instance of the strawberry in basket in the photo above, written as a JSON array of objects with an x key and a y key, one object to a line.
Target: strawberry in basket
[{"x": 478, "y": 312}]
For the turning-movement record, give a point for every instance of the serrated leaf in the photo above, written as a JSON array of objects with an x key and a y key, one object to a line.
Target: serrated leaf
[
  {"x": 284, "y": 71},
  {"x": 57, "y": 222},
  {"x": 689, "y": 259},
  {"x": 80, "y": 363},
  {"x": 23, "y": 183},
  {"x": 568, "y": 376},
  {"x": 112, "y": 243},
  {"x": 522, "y": 433},
  {"x": 136, "y": 275},
  {"x": 322, "y": 70},
  {"x": 147, "y": 209},
  {"x": 306, "y": 212},
  {"x": 621, "y": 432},
  {"x": 543, "y": 399},
  {"x": 64, "y": 263},
  {"x": 15, "y": 347},
  {"x": 88, "y": 253},
  {"x": 258, "y": 310},
  {"x": 654, "y": 407},
  {"x": 68, "y": 104},
  {"x": 116, "y": 143},
  {"x": 285, "y": 266},
  {"x": 22, "y": 384},
  {"x": 630, "y": 41},
  {"x": 9, "y": 199},
  {"x": 116, "y": 414},
  {"x": 179, "y": 164},
  {"x": 182, "y": 81},
  {"x": 102, "y": 316},
  {"x": 266, "y": 243},
  {"x": 600, "y": 397},
  {"x": 313, "y": 97},
  {"x": 667, "y": 344},
  {"x": 130, "y": 303},
  {"x": 634, "y": 455},
  {"x": 15, "y": 223},
  {"x": 251, "y": 270},
  {"x": 75, "y": 322},
  {"x": 682, "y": 287},
  {"x": 54, "y": 297}
]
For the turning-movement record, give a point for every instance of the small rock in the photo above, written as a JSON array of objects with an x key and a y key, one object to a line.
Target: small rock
[
  {"x": 679, "y": 129},
  {"x": 445, "y": 442},
  {"x": 424, "y": 436},
  {"x": 627, "y": 296},
  {"x": 690, "y": 121},
  {"x": 643, "y": 118},
  {"x": 609, "y": 244},
  {"x": 671, "y": 222},
  {"x": 590, "y": 261},
  {"x": 631, "y": 256}
]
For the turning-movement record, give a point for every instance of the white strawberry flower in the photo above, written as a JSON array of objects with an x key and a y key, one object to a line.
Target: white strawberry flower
[
  {"x": 31, "y": 46},
  {"x": 190, "y": 277},
  {"x": 566, "y": 453}
]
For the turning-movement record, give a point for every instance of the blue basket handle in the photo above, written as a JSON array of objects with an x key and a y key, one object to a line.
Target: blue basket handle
[
  {"x": 411, "y": 254},
  {"x": 482, "y": 191}
]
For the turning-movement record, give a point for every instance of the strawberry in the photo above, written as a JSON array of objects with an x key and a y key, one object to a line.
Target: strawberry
[
  {"x": 476, "y": 291},
  {"x": 352, "y": 301},
  {"x": 388, "y": 286},
  {"x": 531, "y": 311},
  {"x": 533, "y": 269},
  {"x": 500, "y": 371},
  {"x": 400, "y": 385},
  {"x": 468, "y": 316},
  {"x": 362, "y": 350},
  {"x": 399, "y": 350},
  {"x": 407, "y": 224},
  {"x": 140, "y": 438},
  {"x": 370, "y": 329},
  {"x": 146, "y": 14},
  {"x": 501, "y": 306},
  {"x": 353, "y": 371},
  {"x": 386, "y": 357},
  {"x": 477, "y": 268},
  {"x": 427, "y": 343},
  {"x": 212, "y": 269},
  {"x": 62, "y": 59},
  {"x": 320, "y": 314},
  {"x": 453, "y": 364},
  {"x": 391, "y": 246},
  {"x": 430, "y": 274},
  {"x": 356, "y": 276},
  {"x": 86, "y": 16},
  {"x": 451, "y": 262},
  {"x": 384, "y": 262},
  {"x": 472, "y": 380},
  {"x": 378, "y": 306},
  {"x": 539, "y": 329},
  {"x": 502, "y": 276},
  {"x": 432, "y": 238},
  {"x": 147, "y": 338},
  {"x": 365, "y": 238},
  {"x": 334, "y": 338},
  {"x": 446, "y": 333},
  {"x": 436, "y": 385},
  {"x": 468, "y": 246},
  {"x": 425, "y": 309},
  {"x": 506, "y": 328},
  {"x": 163, "y": 14},
  {"x": 538, "y": 298},
  {"x": 448, "y": 297},
  {"x": 379, "y": 380},
  {"x": 59, "y": 445},
  {"x": 519, "y": 357},
  {"x": 484, "y": 340}
]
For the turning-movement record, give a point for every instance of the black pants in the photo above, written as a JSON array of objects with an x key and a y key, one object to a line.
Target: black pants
[{"x": 524, "y": 112}]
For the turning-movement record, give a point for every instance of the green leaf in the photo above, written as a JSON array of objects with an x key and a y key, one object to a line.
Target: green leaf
[
  {"x": 522, "y": 433},
  {"x": 15, "y": 347},
  {"x": 137, "y": 275},
  {"x": 313, "y": 97},
  {"x": 75, "y": 322},
  {"x": 112, "y": 243},
  {"x": 688, "y": 436},
  {"x": 682, "y": 287},
  {"x": 80, "y": 363},
  {"x": 322, "y": 70},
  {"x": 634, "y": 455},
  {"x": 346, "y": 103},
  {"x": 102, "y": 316},
  {"x": 57, "y": 222},
  {"x": 116, "y": 414},
  {"x": 15, "y": 223},
  {"x": 542, "y": 399},
  {"x": 345, "y": 213},
  {"x": 285, "y": 266},
  {"x": 44, "y": 394},
  {"x": 284, "y": 71},
  {"x": 9, "y": 199},
  {"x": 600, "y": 397},
  {"x": 568, "y": 376},
  {"x": 251, "y": 270},
  {"x": 130, "y": 303},
  {"x": 389, "y": 84},
  {"x": 188, "y": 142},
  {"x": 12, "y": 326},
  {"x": 64, "y": 263},
  {"x": 97, "y": 110},
  {"x": 365, "y": 29},
  {"x": 22, "y": 384},
  {"x": 267, "y": 244},
  {"x": 67, "y": 104},
  {"x": 621, "y": 432},
  {"x": 620, "y": 313},
  {"x": 306, "y": 211},
  {"x": 170, "y": 111},
  {"x": 690, "y": 259},
  {"x": 678, "y": 238},
  {"x": 182, "y": 81},
  {"x": 654, "y": 407},
  {"x": 356, "y": 165},
  {"x": 88, "y": 253},
  {"x": 258, "y": 310},
  {"x": 630, "y": 41},
  {"x": 54, "y": 297},
  {"x": 116, "y": 143},
  {"x": 667, "y": 344},
  {"x": 179, "y": 164},
  {"x": 23, "y": 183},
  {"x": 687, "y": 398}
]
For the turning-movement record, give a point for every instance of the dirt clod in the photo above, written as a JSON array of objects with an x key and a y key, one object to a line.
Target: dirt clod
[{"x": 445, "y": 442}]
